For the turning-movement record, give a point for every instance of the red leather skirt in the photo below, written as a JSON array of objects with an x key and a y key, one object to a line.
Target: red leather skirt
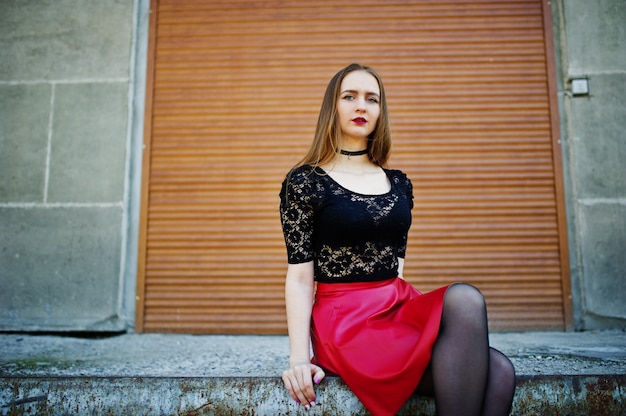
[{"x": 377, "y": 336}]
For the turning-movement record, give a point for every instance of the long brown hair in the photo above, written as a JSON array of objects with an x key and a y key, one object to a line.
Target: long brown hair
[{"x": 328, "y": 139}]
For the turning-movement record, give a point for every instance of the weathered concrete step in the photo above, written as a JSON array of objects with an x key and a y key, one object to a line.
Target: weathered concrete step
[
  {"x": 260, "y": 396},
  {"x": 134, "y": 374}
]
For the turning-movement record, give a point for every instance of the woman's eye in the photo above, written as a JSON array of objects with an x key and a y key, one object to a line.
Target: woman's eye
[
  {"x": 348, "y": 97},
  {"x": 374, "y": 100}
]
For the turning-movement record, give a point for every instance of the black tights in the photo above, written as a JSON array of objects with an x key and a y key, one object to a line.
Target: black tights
[{"x": 465, "y": 375}]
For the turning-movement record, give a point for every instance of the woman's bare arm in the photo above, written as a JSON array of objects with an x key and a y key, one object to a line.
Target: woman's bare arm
[{"x": 299, "y": 379}]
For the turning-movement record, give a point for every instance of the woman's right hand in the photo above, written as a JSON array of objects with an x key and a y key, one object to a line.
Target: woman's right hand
[{"x": 299, "y": 381}]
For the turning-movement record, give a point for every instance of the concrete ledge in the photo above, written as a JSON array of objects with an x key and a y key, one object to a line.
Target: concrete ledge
[
  {"x": 538, "y": 395},
  {"x": 144, "y": 374}
]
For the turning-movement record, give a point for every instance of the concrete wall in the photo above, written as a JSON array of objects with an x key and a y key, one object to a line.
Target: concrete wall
[
  {"x": 65, "y": 94},
  {"x": 71, "y": 93},
  {"x": 591, "y": 42}
]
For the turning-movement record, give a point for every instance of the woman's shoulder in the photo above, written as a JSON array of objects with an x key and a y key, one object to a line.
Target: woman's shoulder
[
  {"x": 301, "y": 170},
  {"x": 306, "y": 181},
  {"x": 303, "y": 174},
  {"x": 398, "y": 176},
  {"x": 401, "y": 183}
]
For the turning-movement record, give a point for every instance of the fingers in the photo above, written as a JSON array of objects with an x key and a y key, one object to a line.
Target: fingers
[
  {"x": 298, "y": 381},
  {"x": 318, "y": 374},
  {"x": 289, "y": 385}
]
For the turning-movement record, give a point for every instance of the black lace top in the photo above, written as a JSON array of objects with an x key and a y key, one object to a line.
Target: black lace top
[{"x": 351, "y": 237}]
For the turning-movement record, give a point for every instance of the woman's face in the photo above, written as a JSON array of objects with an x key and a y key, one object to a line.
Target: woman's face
[{"x": 358, "y": 107}]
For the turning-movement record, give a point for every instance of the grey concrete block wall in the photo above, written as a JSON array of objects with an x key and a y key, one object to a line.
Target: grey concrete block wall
[
  {"x": 598, "y": 137},
  {"x": 65, "y": 39},
  {"x": 24, "y": 122},
  {"x": 87, "y": 155},
  {"x": 65, "y": 82},
  {"x": 591, "y": 40},
  {"x": 603, "y": 249},
  {"x": 60, "y": 268}
]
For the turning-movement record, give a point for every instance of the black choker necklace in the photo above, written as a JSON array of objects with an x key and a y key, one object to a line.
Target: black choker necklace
[{"x": 350, "y": 153}]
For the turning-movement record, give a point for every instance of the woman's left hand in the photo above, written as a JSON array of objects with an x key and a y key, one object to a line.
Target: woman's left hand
[{"x": 299, "y": 381}]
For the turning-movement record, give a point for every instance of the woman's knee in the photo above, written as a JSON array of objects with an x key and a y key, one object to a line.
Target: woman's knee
[
  {"x": 501, "y": 369},
  {"x": 464, "y": 299}
]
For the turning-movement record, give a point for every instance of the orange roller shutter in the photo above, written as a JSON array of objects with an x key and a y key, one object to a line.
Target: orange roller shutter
[{"x": 234, "y": 92}]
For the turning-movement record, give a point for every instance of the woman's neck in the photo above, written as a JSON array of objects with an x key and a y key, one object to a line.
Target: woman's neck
[
  {"x": 352, "y": 144},
  {"x": 351, "y": 164}
]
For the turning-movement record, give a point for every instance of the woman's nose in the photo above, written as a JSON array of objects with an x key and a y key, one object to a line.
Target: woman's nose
[{"x": 360, "y": 106}]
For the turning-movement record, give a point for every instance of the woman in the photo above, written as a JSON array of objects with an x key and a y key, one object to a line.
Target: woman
[{"x": 345, "y": 219}]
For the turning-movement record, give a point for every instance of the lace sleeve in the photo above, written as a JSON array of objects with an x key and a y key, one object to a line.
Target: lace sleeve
[
  {"x": 298, "y": 198},
  {"x": 408, "y": 187}
]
